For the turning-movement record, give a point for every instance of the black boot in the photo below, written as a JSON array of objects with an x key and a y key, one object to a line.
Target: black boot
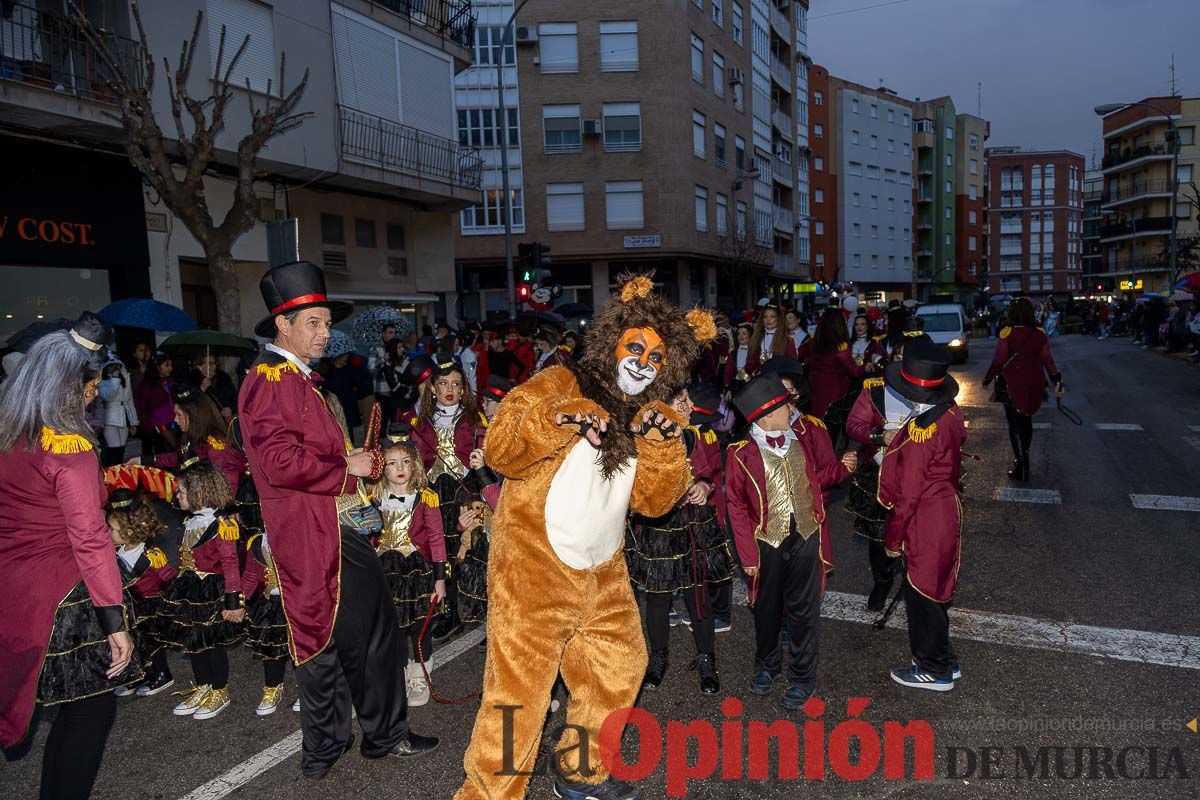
[
  {"x": 656, "y": 670},
  {"x": 1020, "y": 468},
  {"x": 706, "y": 665}
]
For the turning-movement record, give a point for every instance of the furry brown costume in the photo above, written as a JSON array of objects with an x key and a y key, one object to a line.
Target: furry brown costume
[{"x": 558, "y": 588}]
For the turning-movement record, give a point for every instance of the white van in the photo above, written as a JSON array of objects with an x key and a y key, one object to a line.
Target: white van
[{"x": 946, "y": 324}]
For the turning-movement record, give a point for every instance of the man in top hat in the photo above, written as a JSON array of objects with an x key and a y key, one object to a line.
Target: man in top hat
[
  {"x": 342, "y": 631},
  {"x": 918, "y": 483},
  {"x": 775, "y": 484}
]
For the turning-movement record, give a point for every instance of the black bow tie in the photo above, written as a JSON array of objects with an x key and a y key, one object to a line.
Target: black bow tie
[
  {"x": 399, "y": 497},
  {"x": 776, "y": 441}
]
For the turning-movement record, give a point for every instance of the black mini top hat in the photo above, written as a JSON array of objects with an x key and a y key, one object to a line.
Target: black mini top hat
[
  {"x": 761, "y": 396},
  {"x": 793, "y": 370},
  {"x": 93, "y": 335},
  {"x": 397, "y": 431},
  {"x": 496, "y": 388},
  {"x": 418, "y": 369},
  {"x": 923, "y": 375},
  {"x": 444, "y": 363},
  {"x": 706, "y": 404},
  {"x": 294, "y": 286}
]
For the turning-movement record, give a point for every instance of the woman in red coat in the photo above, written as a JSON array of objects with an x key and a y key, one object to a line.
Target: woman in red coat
[
  {"x": 1022, "y": 356},
  {"x": 65, "y": 636},
  {"x": 205, "y": 434},
  {"x": 830, "y": 370}
]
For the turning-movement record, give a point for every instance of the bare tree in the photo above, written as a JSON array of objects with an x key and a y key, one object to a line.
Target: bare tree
[
  {"x": 1187, "y": 248},
  {"x": 176, "y": 167},
  {"x": 742, "y": 258}
]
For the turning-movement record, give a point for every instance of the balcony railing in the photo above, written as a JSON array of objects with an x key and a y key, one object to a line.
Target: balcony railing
[
  {"x": 453, "y": 20},
  {"x": 784, "y": 123},
  {"x": 1148, "y": 262},
  {"x": 781, "y": 73},
  {"x": 785, "y": 262},
  {"x": 781, "y": 23},
  {"x": 782, "y": 170},
  {"x": 1118, "y": 193},
  {"x": 396, "y": 146},
  {"x": 784, "y": 219},
  {"x": 1144, "y": 225},
  {"x": 1134, "y": 153},
  {"x": 47, "y": 50}
]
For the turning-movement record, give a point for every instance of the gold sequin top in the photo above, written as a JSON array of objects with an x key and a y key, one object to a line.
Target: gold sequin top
[{"x": 789, "y": 495}]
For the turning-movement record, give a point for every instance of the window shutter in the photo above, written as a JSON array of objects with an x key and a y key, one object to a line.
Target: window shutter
[
  {"x": 366, "y": 68},
  {"x": 564, "y": 206},
  {"x": 618, "y": 46},
  {"x": 427, "y": 100},
  {"x": 624, "y": 204},
  {"x": 241, "y": 18},
  {"x": 558, "y": 47}
]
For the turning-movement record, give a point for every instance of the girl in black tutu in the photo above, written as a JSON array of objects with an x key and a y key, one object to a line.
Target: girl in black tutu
[
  {"x": 475, "y": 522},
  {"x": 683, "y": 551},
  {"x": 412, "y": 549},
  {"x": 204, "y": 602},
  {"x": 266, "y": 627},
  {"x": 145, "y": 573}
]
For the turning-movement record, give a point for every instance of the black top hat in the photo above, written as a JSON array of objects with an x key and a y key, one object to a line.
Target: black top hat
[
  {"x": 93, "y": 335},
  {"x": 120, "y": 499},
  {"x": 761, "y": 396},
  {"x": 418, "y": 369},
  {"x": 291, "y": 287},
  {"x": 793, "y": 370},
  {"x": 923, "y": 376},
  {"x": 706, "y": 403},
  {"x": 497, "y": 387},
  {"x": 444, "y": 363},
  {"x": 397, "y": 431}
]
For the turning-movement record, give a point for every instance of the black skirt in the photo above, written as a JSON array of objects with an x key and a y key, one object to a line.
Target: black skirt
[
  {"x": 266, "y": 628},
  {"x": 839, "y": 410},
  {"x": 411, "y": 583},
  {"x": 869, "y": 516},
  {"x": 150, "y": 626},
  {"x": 472, "y": 580},
  {"x": 449, "y": 496},
  {"x": 683, "y": 549},
  {"x": 194, "y": 605},
  {"x": 79, "y": 654}
]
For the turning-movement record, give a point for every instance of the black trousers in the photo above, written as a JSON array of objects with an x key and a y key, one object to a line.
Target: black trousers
[
  {"x": 111, "y": 456},
  {"x": 720, "y": 598},
  {"x": 1020, "y": 430},
  {"x": 881, "y": 564},
  {"x": 211, "y": 668},
  {"x": 75, "y": 747},
  {"x": 363, "y": 665},
  {"x": 789, "y": 593},
  {"x": 159, "y": 664},
  {"x": 273, "y": 672},
  {"x": 929, "y": 632},
  {"x": 658, "y": 627}
]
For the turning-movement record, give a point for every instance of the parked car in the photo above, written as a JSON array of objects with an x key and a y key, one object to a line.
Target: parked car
[{"x": 946, "y": 324}]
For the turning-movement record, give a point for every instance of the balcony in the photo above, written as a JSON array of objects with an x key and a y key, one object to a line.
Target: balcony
[
  {"x": 785, "y": 221},
  {"x": 408, "y": 157},
  {"x": 785, "y": 263},
  {"x": 1147, "y": 262},
  {"x": 452, "y": 20},
  {"x": 781, "y": 24},
  {"x": 924, "y": 196},
  {"x": 925, "y": 253},
  {"x": 925, "y": 170},
  {"x": 781, "y": 73},
  {"x": 784, "y": 123},
  {"x": 782, "y": 171},
  {"x": 1118, "y": 194},
  {"x": 924, "y": 224},
  {"x": 1131, "y": 154},
  {"x": 1147, "y": 226}
]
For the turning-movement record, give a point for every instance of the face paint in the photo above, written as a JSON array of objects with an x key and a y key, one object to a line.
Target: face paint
[{"x": 639, "y": 355}]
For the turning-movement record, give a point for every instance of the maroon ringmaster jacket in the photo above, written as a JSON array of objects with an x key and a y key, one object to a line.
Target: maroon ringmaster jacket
[
  {"x": 223, "y": 455},
  {"x": 297, "y": 455},
  {"x": 467, "y": 437},
  {"x": 1022, "y": 355},
  {"x": 829, "y": 375},
  {"x": 918, "y": 483},
  {"x": 52, "y": 535}
]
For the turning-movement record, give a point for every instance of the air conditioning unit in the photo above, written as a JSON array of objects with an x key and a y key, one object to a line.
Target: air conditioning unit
[
  {"x": 526, "y": 34},
  {"x": 335, "y": 261},
  {"x": 736, "y": 76},
  {"x": 593, "y": 127}
]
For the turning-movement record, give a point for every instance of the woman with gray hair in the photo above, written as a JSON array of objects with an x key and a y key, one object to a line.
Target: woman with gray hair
[{"x": 70, "y": 645}]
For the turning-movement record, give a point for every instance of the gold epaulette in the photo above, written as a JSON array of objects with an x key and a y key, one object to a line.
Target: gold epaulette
[
  {"x": 156, "y": 557},
  {"x": 820, "y": 423},
  {"x": 1005, "y": 331},
  {"x": 913, "y": 334},
  {"x": 250, "y": 541},
  {"x": 872, "y": 383},
  {"x": 429, "y": 497},
  {"x": 921, "y": 435},
  {"x": 483, "y": 420},
  {"x": 64, "y": 443},
  {"x": 227, "y": 529},
  {"x": 412, "y": 421},
  {"x": 710, "y": 436},
  {"x": 215, "y": 443},
  {"x": 1040, "y": 328},
  {"x": 274, "y": 374},
  {"x": 843, "y": 346}
]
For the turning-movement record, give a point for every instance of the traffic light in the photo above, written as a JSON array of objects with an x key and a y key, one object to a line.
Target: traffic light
[
  {"x": 532, "y": 260},
  {"x": 523, "y": 291},
  {"x": 540, "y": 260}
]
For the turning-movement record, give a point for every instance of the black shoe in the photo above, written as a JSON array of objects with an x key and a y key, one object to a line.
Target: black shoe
[
  {"x": 706, "y": 665},
  {"x": 656, "y": 670},
  {"x": 447, "y": 630},
  {"x": 1020, "y": 471},
  {"x": 610, "y": 789},
  {"x": 156, "y": 683},
  {"x": 879, "y": 595},
  {"x": 318, "y": 774},
  {"x": 412, "y": 745}
]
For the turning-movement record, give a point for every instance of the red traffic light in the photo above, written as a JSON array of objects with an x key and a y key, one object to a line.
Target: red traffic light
[{"x": 523, "y": 291}]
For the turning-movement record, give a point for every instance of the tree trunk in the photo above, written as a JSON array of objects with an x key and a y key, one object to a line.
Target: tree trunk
[{"x": 223, "y": 277}]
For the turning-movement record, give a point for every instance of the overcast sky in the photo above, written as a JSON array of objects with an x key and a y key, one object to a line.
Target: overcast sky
[{"x": 1044, "y": 64}]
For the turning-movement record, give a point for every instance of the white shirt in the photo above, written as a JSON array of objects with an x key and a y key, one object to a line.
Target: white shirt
[
  {"x": 897, "y": 411},
  {"x": 767, "y": 340},
  {"x": 739, "y": 358},
  {"x": 131, "y": 556},
  {"x": 760, "y": 438},
  {"x": 799, "y": 336},
  {"x": 445, "y": 416},
  {"x": 399, "y": 502},
  {"x": 292, "y": 357}
]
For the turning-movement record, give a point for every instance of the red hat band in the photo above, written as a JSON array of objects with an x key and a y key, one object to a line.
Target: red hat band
[{"x": 303, "y": 299}]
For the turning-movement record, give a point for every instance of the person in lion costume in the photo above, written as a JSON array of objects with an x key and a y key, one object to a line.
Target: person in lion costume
[{"x": 579, "y": 446}]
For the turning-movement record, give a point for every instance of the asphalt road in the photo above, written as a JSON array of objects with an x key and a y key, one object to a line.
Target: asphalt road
[{"x": 1078, "y": 631}]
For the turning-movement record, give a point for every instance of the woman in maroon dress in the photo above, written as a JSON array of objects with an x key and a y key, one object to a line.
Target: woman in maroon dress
[
  {"x": 69, "y": 645},
  {"x": 830, "y": 370},
  {"x": 203, "y": 432},
  {"x": 1022, "y": 356}
]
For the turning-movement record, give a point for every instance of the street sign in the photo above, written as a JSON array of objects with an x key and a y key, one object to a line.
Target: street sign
[{"x": 654, "y": 240}]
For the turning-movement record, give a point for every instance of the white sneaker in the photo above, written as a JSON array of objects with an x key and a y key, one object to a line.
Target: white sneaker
[
  {"x": 296, "y": 705},
  {"x": 418, "y": 689},
  {"x": 192, "y": 701}
]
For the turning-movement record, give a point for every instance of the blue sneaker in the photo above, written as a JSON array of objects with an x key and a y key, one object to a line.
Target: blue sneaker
[
  {"x": 795, "y": 697},
  {"x": 917, "y": 678},
  {"x": 761, "y": 683},
  {"x": 610, "y": 789},
  {"x": 955, "y": 670},
  {"x": 721, "y": 625},
  {"x": 673, "y": 617}
]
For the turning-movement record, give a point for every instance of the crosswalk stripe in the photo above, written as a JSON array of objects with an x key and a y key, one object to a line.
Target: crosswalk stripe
[
  {"x": 1118, "y": 426},
  {"x": 1165, "y": 502},
  {"x": 1012, "y": 494},
  {"x": 1194, "y": 441},
  {"x": 989, "y": 424},
  {"x": 1194, "y": 428}
]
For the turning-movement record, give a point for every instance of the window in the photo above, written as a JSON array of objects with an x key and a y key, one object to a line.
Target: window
[
  {"x": 907, "y": 206},
  {"x": 1183, "y": 174},
  {"x": 891, "y": 204},
  {"x": 891, "y": 116},
  {"x": 820, "y": 259},
  {"x": 974, "y": 141},
  {"x": 971, "y": 243},
  {"x": 489, "y": 214},
  {"x": 819, "y": 228},
  {"x": 854, "y": 168},
  {"x": 892, "y": 232},
  {"x": 873, "y": 172},
  {"x": 718, "y": 74},
  {"x": 559, "y": 47},
  {"x": 948, "y": 212},
  {"x": 947, "y": 239},
  {"x": 395, "y": 236},
  {"x": 904, "y": 119},
  {"x": 698, "y": 125},
  {"x": 949, "y": 132},
  {"x": 741, "y": 220},
  {"x": 718, "y": 13},
  {"x": 618, "y": 46},
  {"x": 891, "y": 145},
  {"x": 972, "y": 218},
  {"x": 739, "y": 153},
  {"x": 856, "y": 199},
  {"x": 488, "y": 40},
  {"x": 907, "y": 149},
  {"x": 949, "y": 186},
  {"x": 818, "y": 98},
  {"x": 874, "y": 142},
  {"x": 818, "y": 195},
  {"x": 697, "y": 59},
  {"x": 622, "y": 127},
  {"x": 719, "y": 144},
  {"x": 333, "y": 230},
  {"x": 480, "y": 127},
  {"x": 701, "y": 208},
  {"x": 973, "y": 192},
  {"x": 856, "y": 229},
  {"x": 722, "y": 215},
  {"x": 874, "y": 111},
  {"x": 737, "y": 23},
  {"x": 623, "y": 204},
  {"x": 875, "y": 201},
  {"x": 564, "y": 206},
  {"x": 1187, "y": 136},
  {"x": 819, "y": 164},
  {"x": 858, "y": 259},
  {"x": 949, "y": 160},
  {"x": 364, "y": 233},
  {"x": 973, "y": 166},
  {"x": 739, "y": 97},
  {"x": 241, "y": 18},
  {"x": 874, "y": 231},
  {"x": 874, "y": 260},
  {"x": 854, "y": 104},
  {"x": 560, "y": 125},
  {"x": 819, "y": 131},
  {"x": 891, "y": 262}
]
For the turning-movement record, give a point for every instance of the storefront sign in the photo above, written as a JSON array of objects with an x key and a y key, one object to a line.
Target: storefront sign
[
  {"x": 803, "y": 288},
  {"x": 1129, "y": 286},
  {"x": 643, "y": 241}
]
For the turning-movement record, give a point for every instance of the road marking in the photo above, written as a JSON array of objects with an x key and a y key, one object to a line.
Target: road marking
[
  {"x": 1194, "y": 428},
  {"x": 988, "y": 424},
  {"x": 1118, "y": 426},
  {"x": 1194, "y": 441},
  {"x": 287, "y": 747},
  {"x": 1011, "y": 494},
  {"x": 1165, "y": 502}
]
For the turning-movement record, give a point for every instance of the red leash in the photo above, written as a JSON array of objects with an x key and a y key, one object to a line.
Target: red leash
[{"x": 429, "y": 681}]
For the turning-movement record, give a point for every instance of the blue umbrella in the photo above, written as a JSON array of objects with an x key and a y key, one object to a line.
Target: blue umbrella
[{"x": 146, "y": 313}]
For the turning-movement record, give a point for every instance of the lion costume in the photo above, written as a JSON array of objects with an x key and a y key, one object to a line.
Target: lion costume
[{"x": 559, "y": 595}]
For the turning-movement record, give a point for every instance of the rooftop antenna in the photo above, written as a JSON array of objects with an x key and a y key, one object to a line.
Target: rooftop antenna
[
  {"x": 979, "y": 99},
  {"x": 1174, "y": 92}
]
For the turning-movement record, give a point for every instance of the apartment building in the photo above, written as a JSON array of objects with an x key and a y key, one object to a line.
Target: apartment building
[
  {"x": 824, "y": 208},
  {"x": 1035, "y": 211},
  {"x": 970, "y": 215},
  {"x": 935, "y": 126},
  {"x": 1093, "y": 194},
  {"x": 1145, "y": 182},
  {"x": 372, "y": 177}
]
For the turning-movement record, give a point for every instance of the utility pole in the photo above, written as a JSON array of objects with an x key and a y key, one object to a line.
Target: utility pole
[{"x": 506, "y": 205}]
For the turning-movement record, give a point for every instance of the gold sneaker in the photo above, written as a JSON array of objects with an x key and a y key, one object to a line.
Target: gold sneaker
[
  {"x": 189, "y": 704},
  {"x": 213, "y": 703},
  {"x": 271, "y": 697}
]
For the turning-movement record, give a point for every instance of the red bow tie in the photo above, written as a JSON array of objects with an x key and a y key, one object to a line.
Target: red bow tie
[{"x": 776, "y": 441}]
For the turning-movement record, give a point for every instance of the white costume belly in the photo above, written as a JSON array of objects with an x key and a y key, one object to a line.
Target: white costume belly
[{"x": 585, "y": 514}]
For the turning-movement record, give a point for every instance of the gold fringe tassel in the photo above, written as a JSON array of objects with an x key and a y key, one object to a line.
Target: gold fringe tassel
[
  {"x": 274, "y": 374},
  {"x": 227, "y": 528},
  {"x": 156, "y": 557},
  {"x": 64, "y": 443},
  {"x": 920, "y": 435},
  {"x": 872, "y": 383},
  {"x": 430, "y": 498},
  {"x": 215, "y": 443},
  {"x": 710, "y": 436},
  {"x": 820, "y": 423}
]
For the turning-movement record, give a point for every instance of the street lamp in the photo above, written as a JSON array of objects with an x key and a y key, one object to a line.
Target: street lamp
[
  {"x": 1172, "y": 136},
  {"x": 507, "y": 189}
]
